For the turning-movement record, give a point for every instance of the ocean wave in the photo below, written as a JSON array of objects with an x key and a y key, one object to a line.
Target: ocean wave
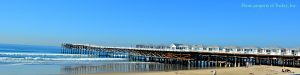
[
  {"x": 59, "y": 59},
  {"x": 39, "y": 54},
  {"x": 7, "y": 49}
]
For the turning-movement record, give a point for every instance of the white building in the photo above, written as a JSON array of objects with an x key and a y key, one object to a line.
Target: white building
[
  {"x": 175, "y": 46},
  {"x": 297, "y": 52},
  {"x": 288, "y": 51},
  {"x": 292, "y": 51},
  {"x": 214, "y": 48},
  {"x": 276, "y": 51},
  {"x": 231, "y": 49},
  {"x": 250, "y": 50},
  {"x": 272, "y": 51},
  {"x": 235, "y": 49},
  {"x": 198, "y": 48},
  {"x": 265, "y": 51}
]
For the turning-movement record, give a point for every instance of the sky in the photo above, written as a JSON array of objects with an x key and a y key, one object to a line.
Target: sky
[{"x": 130, "y": 22}]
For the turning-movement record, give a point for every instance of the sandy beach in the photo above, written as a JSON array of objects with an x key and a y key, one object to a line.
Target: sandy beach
[{"x": 253, "y": 70}]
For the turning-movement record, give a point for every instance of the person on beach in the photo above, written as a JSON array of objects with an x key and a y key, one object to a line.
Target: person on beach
[
  {"x": 214, "y": 72},
  {"x": 247, "y": 64}
]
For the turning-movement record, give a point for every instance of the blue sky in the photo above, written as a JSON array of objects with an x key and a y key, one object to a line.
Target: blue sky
[{"x": 124, "y": 22}]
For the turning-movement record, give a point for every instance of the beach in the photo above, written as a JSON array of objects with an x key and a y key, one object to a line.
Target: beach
[{"x": 253, "y": 70}]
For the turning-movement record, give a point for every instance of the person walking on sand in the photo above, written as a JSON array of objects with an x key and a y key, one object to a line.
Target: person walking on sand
[
  {"x": 214, "y": 72},
  {"x": 247, "y": 64}
]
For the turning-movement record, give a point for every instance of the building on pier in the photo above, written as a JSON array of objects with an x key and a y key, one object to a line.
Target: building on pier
[
  {"x": 232, "y": 49},
  {"x": 198, "y": 47},
  {"x": 176, "y": 46},
  {"x": 152, "y": 46},
  {"x": 214, "y": 49},
  {"x": 266, "y": 51},
  {"x": 250, "y": 50},
  {"x": 276, "y": 51},
  {"x": 295, "y": 52},
  {"x": 226, "y": 49},
  {"x": 288, "y": 51}
]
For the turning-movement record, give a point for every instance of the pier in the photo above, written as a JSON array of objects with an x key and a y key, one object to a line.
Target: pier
[{"x": 191, "y": 57}]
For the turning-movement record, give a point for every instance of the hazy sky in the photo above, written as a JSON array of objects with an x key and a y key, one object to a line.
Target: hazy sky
[{"x": 121, "y": 22}]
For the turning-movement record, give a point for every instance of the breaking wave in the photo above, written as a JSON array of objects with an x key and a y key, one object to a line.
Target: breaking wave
[
  {"x": 51, "y": 58},
  {"x": 40, "y": 60},
  {"x": 60, "y": 59},
  {"x": 38, "y": 54}
]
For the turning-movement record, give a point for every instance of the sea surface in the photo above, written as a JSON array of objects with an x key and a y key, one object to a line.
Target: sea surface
[{"x": 48, "y": 60}]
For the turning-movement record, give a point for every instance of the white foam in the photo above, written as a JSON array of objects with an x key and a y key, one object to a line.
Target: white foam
[
  {"x": 59, "y": 59},
  {"x": 75, "y": 59},
  {"x": 39, "y": 54}
]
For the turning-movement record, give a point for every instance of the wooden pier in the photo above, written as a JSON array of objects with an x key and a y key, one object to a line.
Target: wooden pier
[{"x": 184, "y": 57}]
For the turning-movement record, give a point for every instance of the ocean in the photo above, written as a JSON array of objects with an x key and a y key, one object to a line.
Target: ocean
[{"x": 48, "y": 60}]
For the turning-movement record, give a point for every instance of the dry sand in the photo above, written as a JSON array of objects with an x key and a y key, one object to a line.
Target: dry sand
[{"x": 253, "y": 70}]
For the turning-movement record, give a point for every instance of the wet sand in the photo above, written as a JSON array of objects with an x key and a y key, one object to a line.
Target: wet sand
[{"x": 253, "y": 70}]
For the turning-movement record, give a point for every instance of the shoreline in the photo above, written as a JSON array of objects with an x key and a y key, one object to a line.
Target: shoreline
[{"x": 253, "y": 70}]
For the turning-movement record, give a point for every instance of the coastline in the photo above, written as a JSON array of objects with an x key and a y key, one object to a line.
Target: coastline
[{"x": 253, "y": 70}]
